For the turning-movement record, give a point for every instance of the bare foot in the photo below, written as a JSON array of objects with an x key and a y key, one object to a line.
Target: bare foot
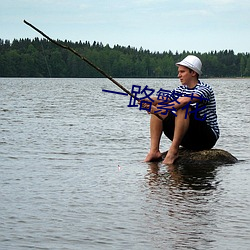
[
  {"x": 170, "y": 157},
  {"x": 153, "y": 156}
]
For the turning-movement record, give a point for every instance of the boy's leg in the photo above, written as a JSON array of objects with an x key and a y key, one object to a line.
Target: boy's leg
[
  {"x": 156, "y": 127},
  {"x": 180, "y": 129}
]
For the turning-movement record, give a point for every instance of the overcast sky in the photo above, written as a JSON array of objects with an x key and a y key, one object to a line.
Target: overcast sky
[{"x": 157, "y": 25}]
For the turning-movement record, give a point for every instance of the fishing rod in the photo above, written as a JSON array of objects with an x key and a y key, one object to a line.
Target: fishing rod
[{"x": 86, "y": 60}]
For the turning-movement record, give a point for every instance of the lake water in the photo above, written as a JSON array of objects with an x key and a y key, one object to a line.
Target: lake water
[{"x": 72, "y": 174}]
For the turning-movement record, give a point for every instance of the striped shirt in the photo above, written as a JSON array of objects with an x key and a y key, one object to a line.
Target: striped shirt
[{"x": 206, "y": 106}]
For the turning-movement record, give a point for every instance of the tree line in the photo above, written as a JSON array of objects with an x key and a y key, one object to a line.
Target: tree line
[{"x": 41, "y": 58}]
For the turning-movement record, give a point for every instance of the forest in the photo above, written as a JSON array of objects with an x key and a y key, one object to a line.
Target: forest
[{"x": 41, "y": 58}]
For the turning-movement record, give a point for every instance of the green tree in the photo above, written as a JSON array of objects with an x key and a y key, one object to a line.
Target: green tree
[{"x": 247, "y": 69}]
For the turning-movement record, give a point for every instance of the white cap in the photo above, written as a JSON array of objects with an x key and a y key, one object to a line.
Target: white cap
[{"x": 191, "y": 62}]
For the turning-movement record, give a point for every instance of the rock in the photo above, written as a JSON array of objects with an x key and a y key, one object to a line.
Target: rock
[{"x": 213, "y": 157}]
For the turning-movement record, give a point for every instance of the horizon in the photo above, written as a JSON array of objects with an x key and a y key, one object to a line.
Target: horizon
[{"x": 128, "y": 46}]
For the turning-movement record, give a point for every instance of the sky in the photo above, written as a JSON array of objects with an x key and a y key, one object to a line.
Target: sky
[{"x": 155, "y": 25}]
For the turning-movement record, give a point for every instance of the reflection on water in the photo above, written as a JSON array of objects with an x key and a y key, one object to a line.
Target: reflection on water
[
  {"x": 189, "y": 177},
  {"x": 184, "y": 195}
]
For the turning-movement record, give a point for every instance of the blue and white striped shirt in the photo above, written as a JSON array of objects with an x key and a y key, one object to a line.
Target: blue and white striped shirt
[{"x": 206, "y": 106}]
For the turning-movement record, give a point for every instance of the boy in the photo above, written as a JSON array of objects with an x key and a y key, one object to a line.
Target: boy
[{"x": 191, "y": 119}]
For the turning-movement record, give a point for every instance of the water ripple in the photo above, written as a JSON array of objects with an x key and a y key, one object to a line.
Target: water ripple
[{"x": 72, "y": 175}]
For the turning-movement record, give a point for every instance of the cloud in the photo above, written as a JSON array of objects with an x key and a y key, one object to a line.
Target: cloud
[
  {"x": 83, "y": 6},
  {"x": 148, "y": 2},
  {"x": 225, "y": 5},
  {"x": 152, "y": 24},
  {"x": 222, "y": 2}
]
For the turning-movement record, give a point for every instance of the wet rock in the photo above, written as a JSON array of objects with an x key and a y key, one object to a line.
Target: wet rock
[{"x": 205, "y": 157}]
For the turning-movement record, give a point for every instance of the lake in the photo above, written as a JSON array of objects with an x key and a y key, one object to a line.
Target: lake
[{"x": 72, "y": 173}]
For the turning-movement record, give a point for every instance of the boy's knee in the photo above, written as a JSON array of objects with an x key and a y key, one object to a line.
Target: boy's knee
[{"x": 183, "y": 113}]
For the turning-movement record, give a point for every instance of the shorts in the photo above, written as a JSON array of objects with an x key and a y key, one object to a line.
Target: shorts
[{"x": 199, "y": 135}]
